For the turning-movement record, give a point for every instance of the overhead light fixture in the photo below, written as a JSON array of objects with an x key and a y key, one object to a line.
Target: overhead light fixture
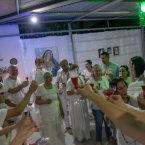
[
  {"x": 34, "y": 19},
  {"x": 143, "y": 6}
]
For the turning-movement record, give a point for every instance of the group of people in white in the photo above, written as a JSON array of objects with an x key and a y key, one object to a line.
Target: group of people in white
[{"x": 59, "y": 101}]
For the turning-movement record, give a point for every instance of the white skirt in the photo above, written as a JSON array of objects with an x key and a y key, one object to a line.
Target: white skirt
[{"x": 79, "y": 118}]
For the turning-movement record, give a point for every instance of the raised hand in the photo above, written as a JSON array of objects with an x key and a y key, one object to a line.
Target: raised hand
[
  {"x": 85, "y": 90},
  {"x": 117, "y": 100},
  {"x": 25, "y": 84},
  {"x": 131, "y": 66},
  {"x": 33, "y": 86}
]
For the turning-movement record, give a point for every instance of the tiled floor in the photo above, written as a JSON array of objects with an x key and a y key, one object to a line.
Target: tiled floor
[
  {"x": 70, "y": 141},
  {"x": 69, "y": 137}
]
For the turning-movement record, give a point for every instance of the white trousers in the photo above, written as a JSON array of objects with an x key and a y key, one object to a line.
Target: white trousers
[{"x": 65, "y": 103}]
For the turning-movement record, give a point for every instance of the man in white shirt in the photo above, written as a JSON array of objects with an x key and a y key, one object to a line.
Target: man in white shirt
[
  {"x": 37, "y": 73},
  {"x": 109, "y": 67},
  {"x": 15, "y": 87},
  {"x": 61, "y": 80}
]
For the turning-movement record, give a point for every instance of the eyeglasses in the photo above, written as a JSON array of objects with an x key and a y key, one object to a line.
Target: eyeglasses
[{"x": 48, "y": 77}]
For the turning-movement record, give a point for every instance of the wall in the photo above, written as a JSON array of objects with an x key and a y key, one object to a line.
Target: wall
[
  {"x": 86, "y": 46},
  {"x": 11, "y": 48},
  {"x": 29, "y": 45}
]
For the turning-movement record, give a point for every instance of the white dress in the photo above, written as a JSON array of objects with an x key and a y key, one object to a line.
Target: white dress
[
  {"x": 79, "y": 113},
  {"x": 123, "y": 139},
  {"x": 50, "y": 113}
]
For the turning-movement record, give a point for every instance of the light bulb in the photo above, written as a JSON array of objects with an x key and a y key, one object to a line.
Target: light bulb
[
  {"x": 143, "y": 6},
  {"x": 34, "y": 19}
]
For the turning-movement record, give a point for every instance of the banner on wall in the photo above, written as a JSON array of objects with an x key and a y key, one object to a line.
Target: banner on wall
[{"x": 51, "y": 58}]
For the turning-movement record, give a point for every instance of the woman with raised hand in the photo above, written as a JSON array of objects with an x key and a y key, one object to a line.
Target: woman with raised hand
[
  {"x": 137, "y": 67},
  {"x": 121, "y": 89},
  {"x": 129, "y": 120},
  {"x": 51, "y": 110},
  {"x": 101, "y": 83},
  {"x": 78, "y": 110}
]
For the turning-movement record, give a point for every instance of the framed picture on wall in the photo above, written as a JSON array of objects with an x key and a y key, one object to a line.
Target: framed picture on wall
[
  {"x": 101, "y": 50},
  {"x": 116, "y": 50},
  {"x": 109, "y": 50}
]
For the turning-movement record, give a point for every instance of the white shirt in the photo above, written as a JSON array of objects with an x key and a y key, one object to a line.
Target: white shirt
[
  {"x": 134, "y": 89},
  {"x": 3, "y": 113},
  {"x": 121, "y": 137},
  {"x": 37, "y": 75},
  {"x": 62, "y": 77},
  {"x": 104, "y": 84},
  {"x": 87, "y": 75},
  {"x": 17, "y": 97}
]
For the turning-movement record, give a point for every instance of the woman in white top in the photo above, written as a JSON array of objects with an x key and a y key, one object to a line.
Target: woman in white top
[
  {"x": 137, "y": 67},
  {"x": 78, "y": 110},
  {"x": 121, "y": 89},
  {"x": 98, "y": 114},
  {"x": 51, "y": 111},
  {"x": 124, "y": 73},
  {"x": 87, "y": 73}
]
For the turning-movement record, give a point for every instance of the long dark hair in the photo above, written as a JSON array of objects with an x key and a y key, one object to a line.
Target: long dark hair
[
  {"x": 89, "y": 61},
  {"x": 139, "y": 65}
]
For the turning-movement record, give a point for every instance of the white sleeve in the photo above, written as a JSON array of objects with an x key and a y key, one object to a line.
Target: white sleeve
[
  {"x": 58, "y": 76},
  {"x": 83, "y": 73},
  {"x": 3, "y": 113},
  {"x": 38, "y": 91},
  {"x": 3, "y": 89},
  {"x": 30, "y": 77},
  {"x": 69, "y": 85}
]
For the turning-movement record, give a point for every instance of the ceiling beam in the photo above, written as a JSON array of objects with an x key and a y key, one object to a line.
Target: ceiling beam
[
  {"x": 44, "y": 8},
  {"x": 16, "y": 17},
  {"x": 98, "y": 9},
  {"x": 82, "y": 13},
  {"x": 17, "y": 6},
  {"x": 68, "y": 20},
  {"x": 57, "y": 5}
]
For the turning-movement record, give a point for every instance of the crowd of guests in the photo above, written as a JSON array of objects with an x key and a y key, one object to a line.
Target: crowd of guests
[{"x": 60, "y": 102}]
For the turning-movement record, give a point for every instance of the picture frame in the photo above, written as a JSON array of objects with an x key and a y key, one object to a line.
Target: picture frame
[
  {"x": 109, "y": 50},
  {"x": 116, "y": 50},
  {"x": 101, "y": 50}
]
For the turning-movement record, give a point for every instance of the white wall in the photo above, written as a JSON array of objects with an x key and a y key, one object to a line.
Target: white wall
[
  {"x": 61, "y": 42},
  {"x": 86, "y": 46},
  {"x": 10, "y": 47}
]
